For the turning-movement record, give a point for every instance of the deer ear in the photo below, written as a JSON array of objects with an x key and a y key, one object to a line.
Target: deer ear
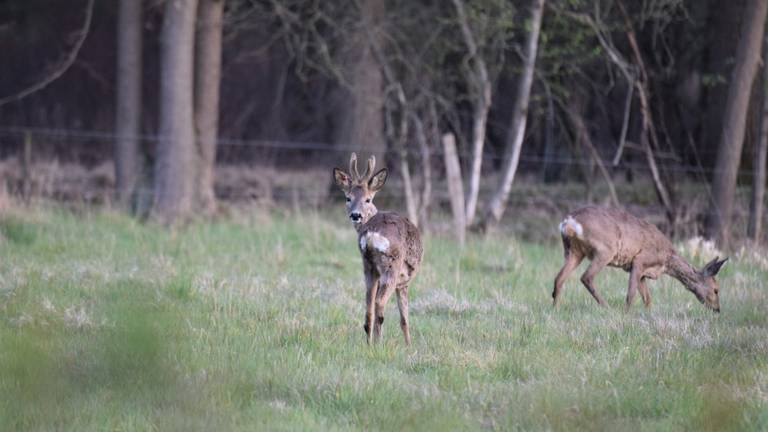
[
  {"x": 377, "y": 180},
  {"x": 713, "y": 267},
  {"x": 342, "y": 179}
]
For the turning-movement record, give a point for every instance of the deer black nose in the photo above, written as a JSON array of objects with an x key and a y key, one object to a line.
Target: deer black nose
[{"x": 355, "y": 216}]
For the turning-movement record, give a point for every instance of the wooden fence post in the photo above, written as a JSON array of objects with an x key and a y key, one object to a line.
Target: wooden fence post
[{"x": 26, "y": 168}]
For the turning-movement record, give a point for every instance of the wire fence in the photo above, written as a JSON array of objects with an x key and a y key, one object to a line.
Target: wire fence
[
  {"x": 299, "y": 186},
  {"x": 243, "y": 189},
  {"x": 527, "y": 159}
]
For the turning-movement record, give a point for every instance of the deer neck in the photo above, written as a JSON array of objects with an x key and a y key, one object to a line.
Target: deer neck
[
  {"x": 682, "y": 270},
  {"x": 371, "y": 213}
]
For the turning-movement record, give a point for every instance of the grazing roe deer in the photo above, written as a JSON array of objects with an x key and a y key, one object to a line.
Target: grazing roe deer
[
  {"x": 613, "y": 237},
  {"x": 390, "y": 246}
]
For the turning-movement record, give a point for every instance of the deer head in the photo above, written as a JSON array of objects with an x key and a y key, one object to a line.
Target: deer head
[
  {"x": 707, "y": 289},
  {"x": 360, "y": 189}
]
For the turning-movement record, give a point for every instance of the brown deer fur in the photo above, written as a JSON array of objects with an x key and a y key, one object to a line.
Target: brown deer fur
[
  {"x": 389, "y": 244},
  {"x": 613, "y": 237}
]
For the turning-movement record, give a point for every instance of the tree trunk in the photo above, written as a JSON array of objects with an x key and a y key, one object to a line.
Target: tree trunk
[
  {"x": 361, "y": 102},
  {"x": 732, "y": 138},
  {"x": 207, "y": 82},
  {"x": 174, "y": 164},
  {"x": 575, "y": 115},
  {"x": 426, "y": 172},
  {"x": 128, "y": 109},
  {"x": 479, "y": 80},
  {"x": 514, "y": 142},
  {"x": 479, "y": 124},
  {"x": 397, "y": 132},
  {"x": 755, "y": 227},
  {"x": 648, "y": 137},
  {"x": 550, "y": 169},
  {"x": 455, "y": 186},
  {"x": 410, "y": 197},
  {"x": 721, "y": 43}
]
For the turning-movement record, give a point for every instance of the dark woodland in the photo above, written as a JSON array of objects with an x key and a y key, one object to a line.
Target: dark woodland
[{"x": 661, "y": 95}]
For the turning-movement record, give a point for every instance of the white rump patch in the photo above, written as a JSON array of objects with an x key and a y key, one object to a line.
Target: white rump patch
[
  {"x": 570, "y": 222},
  {"x": 374, "y": 240}
]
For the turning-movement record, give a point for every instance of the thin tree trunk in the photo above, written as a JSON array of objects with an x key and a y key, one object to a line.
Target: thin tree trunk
[
  {"x": 549, "y": 139},
  {"x": 410, "y": 198},
  {"x": 582, "y": 137},
  {"x": 755, "y": 226},
  {"x": 455, "y": 186},
  {"x": 398, "y": 138},
  {"x": 174, "y": 165},
  {"x": 128, "y": 109},
  {"x": 732, "y": 138},
  {"x": 624, "y": 123},
  {"x": 478, "y": 79},
  {"x": 479, "y": 125},
  {"x": 646, "y": 132},
  {"x": 207, "y": 82},
  {"x": 648, "y": 137},
  {"x": 514, "y": 142},
  {"x": 426, "y": 172}
]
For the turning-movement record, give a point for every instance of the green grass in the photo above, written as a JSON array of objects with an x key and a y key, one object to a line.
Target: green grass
[{"x": 255, "y": 323}]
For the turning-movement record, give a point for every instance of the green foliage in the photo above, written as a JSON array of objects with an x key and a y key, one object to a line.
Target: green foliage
[{"x": 256, "y": 324}]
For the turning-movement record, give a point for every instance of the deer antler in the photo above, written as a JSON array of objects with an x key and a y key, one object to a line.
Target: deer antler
[
  {"x": 368, "y": 170},
  {"x": 353, "y": 167}
]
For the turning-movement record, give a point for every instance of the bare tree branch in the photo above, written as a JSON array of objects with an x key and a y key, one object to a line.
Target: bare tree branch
[
  {"x": 59, "y": 70},
  {"x": 624, "y": 123}
]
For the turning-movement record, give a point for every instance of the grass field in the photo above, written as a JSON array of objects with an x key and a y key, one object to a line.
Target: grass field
[{"x": 255, "y": 323}]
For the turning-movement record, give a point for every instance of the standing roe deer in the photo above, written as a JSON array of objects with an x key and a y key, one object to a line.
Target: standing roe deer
[
  {"x": 612, "y": 237},
  {"x": 389, "y": 244}
]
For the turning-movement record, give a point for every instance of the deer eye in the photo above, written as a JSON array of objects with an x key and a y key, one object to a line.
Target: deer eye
[
  {"x": 367, "y": 200},
  {"x": 349, "y": 199}
]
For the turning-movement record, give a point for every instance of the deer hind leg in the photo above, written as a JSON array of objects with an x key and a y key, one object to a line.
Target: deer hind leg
[
  {"x": 402, "y": 305},
  {"x": 386, "y": 288},
  {"x": 371, "y": 288},
  {"x": 598, "y": 263},
  {"x": 644, "y": 292},
  {"x": 572, "y": 260}
]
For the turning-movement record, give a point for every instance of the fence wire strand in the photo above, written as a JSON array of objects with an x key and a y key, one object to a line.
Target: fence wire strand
[{"x": 324, "y": 147}]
